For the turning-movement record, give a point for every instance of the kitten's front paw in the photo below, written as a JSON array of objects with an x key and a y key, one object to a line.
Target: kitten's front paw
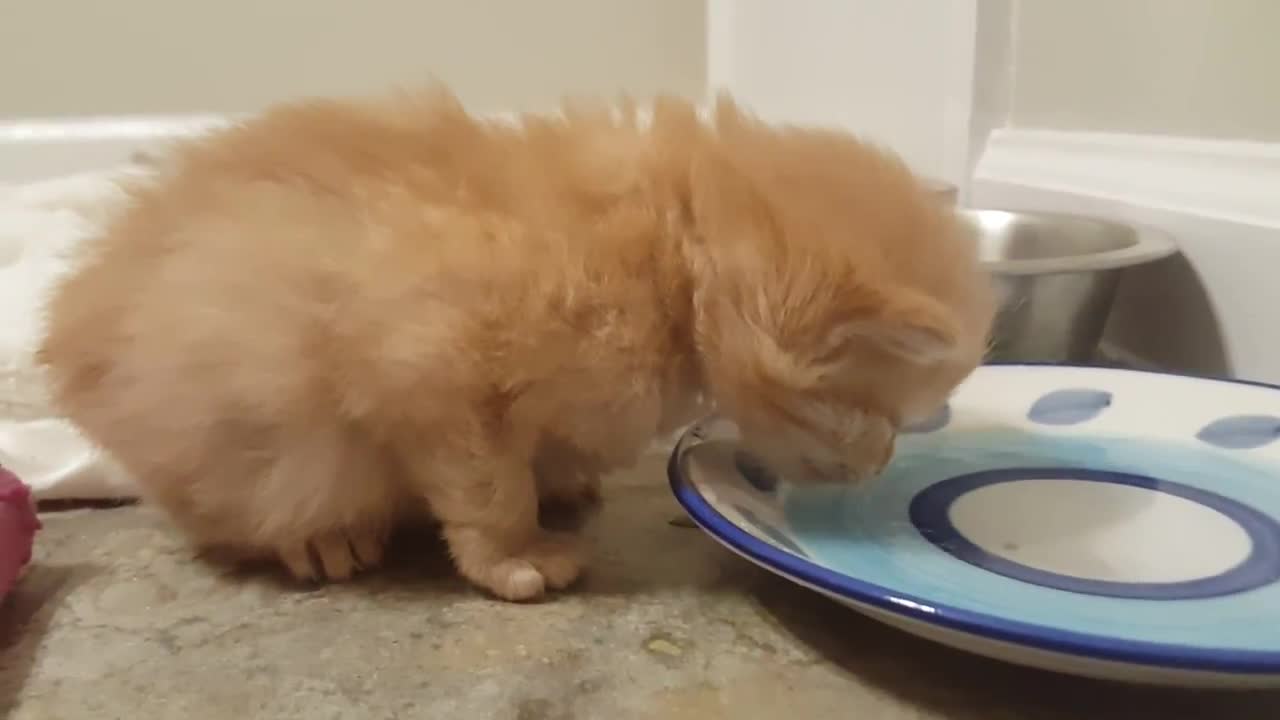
[
  {"x": 552, "y": 562},
  {"x": 558, "y": 556},
  {"x": 335, "y": 555}
]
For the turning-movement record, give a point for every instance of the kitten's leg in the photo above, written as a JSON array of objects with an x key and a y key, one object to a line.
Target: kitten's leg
[
  {"x": 488, "y": 507},
  {"x": 568, "y": 484},
  {"x": 325, "y": 504}
]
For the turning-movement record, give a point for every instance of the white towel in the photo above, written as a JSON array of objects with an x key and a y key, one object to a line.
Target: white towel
[{"x": 40, "y": 224}]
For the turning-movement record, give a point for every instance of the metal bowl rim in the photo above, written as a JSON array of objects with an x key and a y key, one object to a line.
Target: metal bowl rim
[{"x": 1150, "y": 244}]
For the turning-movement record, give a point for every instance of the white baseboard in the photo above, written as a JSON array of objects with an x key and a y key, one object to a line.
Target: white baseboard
[
  {"x": 38, "y": 148},
  {"x": 35, "y": 149},
  {"x": 1235, "y": 181},
  {"x": 1212, "y": 309}
]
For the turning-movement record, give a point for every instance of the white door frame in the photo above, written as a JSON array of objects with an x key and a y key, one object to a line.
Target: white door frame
[{"x": 902, "y": 72}]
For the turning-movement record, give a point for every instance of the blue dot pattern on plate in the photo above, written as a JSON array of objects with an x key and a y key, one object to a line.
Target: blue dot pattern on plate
[
  {"x": 933, "y": 423},
  {"x": 865, "y": 532},
  {"x": 1069, "y": 407},
  {"x": 1241, "y": 432}
]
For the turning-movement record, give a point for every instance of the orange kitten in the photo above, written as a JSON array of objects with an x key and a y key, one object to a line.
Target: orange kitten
[{"x": 339, "y": 316}]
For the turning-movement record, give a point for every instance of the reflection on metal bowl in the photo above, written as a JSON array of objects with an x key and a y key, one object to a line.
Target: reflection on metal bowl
[{"x": 1056, "y": 277}]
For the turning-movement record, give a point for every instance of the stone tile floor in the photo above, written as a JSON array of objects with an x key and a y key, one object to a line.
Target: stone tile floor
[{"x": 117, "y": 620}]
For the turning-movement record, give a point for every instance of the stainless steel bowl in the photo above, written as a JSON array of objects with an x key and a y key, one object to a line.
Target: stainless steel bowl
[
  {"x": 943, "y": 191},
  {"x": 1056, "y": 277}
]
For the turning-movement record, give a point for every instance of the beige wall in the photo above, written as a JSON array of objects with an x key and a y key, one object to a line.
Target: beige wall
[
  {"x": 1177, "y": 67},
  {"x": 88, "y": 57}
]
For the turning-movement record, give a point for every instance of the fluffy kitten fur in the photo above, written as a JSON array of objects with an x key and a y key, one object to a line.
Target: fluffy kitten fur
[{"x": 340, "y": 316}]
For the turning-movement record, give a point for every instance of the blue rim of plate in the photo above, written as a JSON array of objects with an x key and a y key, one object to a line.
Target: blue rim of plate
[{"x": 993, "y": 627}]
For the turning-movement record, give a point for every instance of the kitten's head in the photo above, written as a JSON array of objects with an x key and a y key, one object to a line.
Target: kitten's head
[{"x": 835, "y": 301}]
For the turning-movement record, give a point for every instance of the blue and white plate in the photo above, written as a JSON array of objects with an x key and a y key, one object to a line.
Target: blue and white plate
[{"x": 1101, "y": 522}]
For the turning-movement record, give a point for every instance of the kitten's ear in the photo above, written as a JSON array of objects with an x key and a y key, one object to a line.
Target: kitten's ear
[{"x": 908, "y": 325}]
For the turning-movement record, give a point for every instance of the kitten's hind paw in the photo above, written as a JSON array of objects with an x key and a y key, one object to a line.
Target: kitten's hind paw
[{"x": 334, "y": 555}]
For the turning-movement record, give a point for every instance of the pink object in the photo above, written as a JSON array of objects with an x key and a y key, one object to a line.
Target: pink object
[{"x": 18, "y": 526}]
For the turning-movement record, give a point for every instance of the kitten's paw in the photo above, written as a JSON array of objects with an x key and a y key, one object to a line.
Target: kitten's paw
[
  {"x": 334, "y": 556},
  {"x": 558, "y": 556},
  {"x": 552, "y": 562},
  {"x": 516, "y": 580}
]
